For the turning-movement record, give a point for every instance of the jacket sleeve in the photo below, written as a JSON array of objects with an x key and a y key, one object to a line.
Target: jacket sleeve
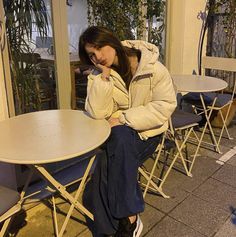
[
  {"x": 156, "y": 112},
  {"x": 99, "y": 102}
]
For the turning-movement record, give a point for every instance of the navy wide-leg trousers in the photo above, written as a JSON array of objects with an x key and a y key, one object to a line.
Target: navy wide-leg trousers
[{"x": 116, "y": 192}]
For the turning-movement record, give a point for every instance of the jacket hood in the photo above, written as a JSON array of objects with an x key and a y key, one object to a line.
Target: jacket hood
[{"x": 149, "y": 53}]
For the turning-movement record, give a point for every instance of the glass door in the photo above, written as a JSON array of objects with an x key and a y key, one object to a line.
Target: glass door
[
  {"x": 36, "y": 61},
  {"x": 38, "y": 54},
  {"x": 31, "y": 55}
]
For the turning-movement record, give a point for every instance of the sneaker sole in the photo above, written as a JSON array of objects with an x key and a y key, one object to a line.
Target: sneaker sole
[{"x": 139, "y": 228}]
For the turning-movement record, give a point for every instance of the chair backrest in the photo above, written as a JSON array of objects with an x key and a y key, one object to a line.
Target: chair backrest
[
  {"x": 222, "y": 64},
  {"x": 218, "y": 63}
]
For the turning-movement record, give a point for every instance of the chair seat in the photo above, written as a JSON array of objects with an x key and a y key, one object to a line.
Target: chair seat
[
  {"x": 8, "y": 199},
  {"x": 181, "y": 118},
  {"x": 222, "y": 99},
  {"x": 194, "y": 98}
]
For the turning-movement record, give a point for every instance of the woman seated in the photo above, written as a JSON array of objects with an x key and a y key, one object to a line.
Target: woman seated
[{"x": 134, "y": 92}]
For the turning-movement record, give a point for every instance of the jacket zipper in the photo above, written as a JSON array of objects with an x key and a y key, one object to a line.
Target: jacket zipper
[{"x": 148, "y": 75}]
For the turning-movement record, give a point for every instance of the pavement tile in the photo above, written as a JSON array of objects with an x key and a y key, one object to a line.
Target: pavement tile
[
  {"x": 34, "y": 219},
  {"x": 232, "y": 161},
  {"x": 225, "y": 142},
  {"x": 213, "y": 154},
  {"x": 203, "y": 168},
  {"x": 173, "y": 181},
  {"x": 228, "y": 229},
  {"x": 214, "y": 192},
  {"x": 226, "y": 174},
  {"x": 150, "y": 217},
  {"x": 228, "y": 142},
  {"x": 169, "y": 227},
  {"x": 39, "y": 221},
  {"x": 231, "y": 128},
  {"x": 166, "y": 204},
  {"x": 179, "y": 185},
  {"x": 201, "y": 215},
  {"x": 85, "y": 233}
]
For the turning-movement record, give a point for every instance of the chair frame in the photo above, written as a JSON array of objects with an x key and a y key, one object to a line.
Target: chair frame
[
  {"x": 155, "y": 183},
  {"x": 187, "y": 130},
  {"x": 149, "y": 176}
]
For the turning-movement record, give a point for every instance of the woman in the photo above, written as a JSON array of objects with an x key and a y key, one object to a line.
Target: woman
[{"x": 134, "y": 92}]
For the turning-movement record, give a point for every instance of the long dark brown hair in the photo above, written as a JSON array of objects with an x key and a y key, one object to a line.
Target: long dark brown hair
[{"x": 100, "y": 36}]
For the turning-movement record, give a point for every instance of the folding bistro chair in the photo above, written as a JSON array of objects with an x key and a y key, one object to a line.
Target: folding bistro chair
[
  {"x": 224, "y": 99},
  {"x": 181, "y": 127},
  {"x": 10, "y": 204}
]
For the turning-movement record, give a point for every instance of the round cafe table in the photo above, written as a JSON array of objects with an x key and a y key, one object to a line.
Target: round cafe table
[
  {"x": 198, "y": 83},
  {"x": 50, "y": 136}
]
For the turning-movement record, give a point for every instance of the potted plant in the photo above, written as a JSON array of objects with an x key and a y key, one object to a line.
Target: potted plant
[{"x": 22, "y": 18}]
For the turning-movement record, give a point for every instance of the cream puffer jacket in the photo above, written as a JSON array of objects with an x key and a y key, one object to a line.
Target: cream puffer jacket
[{"x": 149, "y": 102}]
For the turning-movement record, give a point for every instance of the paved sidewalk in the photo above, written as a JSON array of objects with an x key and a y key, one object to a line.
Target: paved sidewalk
[{"x": 201, "y": 206}]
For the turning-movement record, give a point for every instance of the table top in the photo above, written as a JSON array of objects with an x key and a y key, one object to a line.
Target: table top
[
  {"x": 197, "y": 83},
  {"x": 50, "y": 136}
]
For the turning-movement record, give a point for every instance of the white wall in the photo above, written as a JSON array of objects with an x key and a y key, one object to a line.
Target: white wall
[{"x": 183, "y": 34}]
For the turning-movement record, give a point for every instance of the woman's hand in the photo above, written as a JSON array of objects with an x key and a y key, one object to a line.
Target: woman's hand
[
  {"x": 105, "y": 71},
  {"x": 114, "y": 122}
]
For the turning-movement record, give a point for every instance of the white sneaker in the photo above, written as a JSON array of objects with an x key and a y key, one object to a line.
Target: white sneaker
[{"x": 139, "y": 227}]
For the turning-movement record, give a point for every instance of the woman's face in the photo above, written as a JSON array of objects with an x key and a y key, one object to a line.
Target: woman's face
[{"x": 105, "y": 55}]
